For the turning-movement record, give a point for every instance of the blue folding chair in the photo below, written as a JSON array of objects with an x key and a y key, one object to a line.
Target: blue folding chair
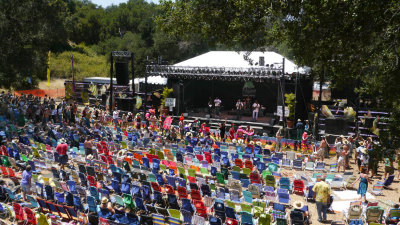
[{"x": 91, "y": 201}]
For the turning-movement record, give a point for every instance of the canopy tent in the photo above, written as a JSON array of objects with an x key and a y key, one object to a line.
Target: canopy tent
[
  {"x": 241, "y": 59},
  {"x": 158, "y": 80},
  {"x": 232, "y": 66}
]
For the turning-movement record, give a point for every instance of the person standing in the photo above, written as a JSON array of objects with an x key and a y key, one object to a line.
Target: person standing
[
  {"x": 222, "y": 130},
  {"x": 322, "y": 196},
  {"x": 115, "y": 116},
  {"x": 62, "y": 149},
  {"x": 210, "y": 105},
  {"x": 88, "y": 145},
  {"x": 26, "y": 181},
  {"x": 278, "y": 140},
  {"x": 363, "y": 186},
  {"x": 323, "y": 147},
  {"x": 299, "y": 129},
  {"x": 239, "y": 108},
  {"x": 342, "y": 158},
  {"x": 256, "y": 109},
  {"x": 217, "y": 104}
]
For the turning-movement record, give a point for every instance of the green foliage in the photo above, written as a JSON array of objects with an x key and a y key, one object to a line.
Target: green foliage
[
  {"x": 87, "y": 63},
  {"x": 291, "y": 104},
  {"x": 28, "y": 31},
  {"x": 165, "y": 94}
]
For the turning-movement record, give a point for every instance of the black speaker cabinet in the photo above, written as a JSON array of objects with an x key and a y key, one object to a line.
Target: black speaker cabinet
[
  {"x": 122, "y": 73},
  {"x": 336, "y": 126}
]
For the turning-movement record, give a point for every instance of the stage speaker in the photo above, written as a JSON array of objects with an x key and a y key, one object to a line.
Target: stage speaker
[
  {"x": 122, "y": 73},
  {"x": 336, "y": 126}
]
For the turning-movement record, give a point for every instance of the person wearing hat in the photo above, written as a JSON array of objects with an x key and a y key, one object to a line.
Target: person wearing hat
[
  {"x": 298, "y": 207},
  {"x": 105, "y": 210},
  {"x": 322, "y": 196},
  {"x": 299, "y": 129},
  {"x": 62, "y": 149}
]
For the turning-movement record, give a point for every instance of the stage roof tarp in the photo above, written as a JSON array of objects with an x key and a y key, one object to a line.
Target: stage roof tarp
[
  {"x": 232, "y": 66},
  {"x": 157, "y": 80},
  {"x": 241, "y": 59}
]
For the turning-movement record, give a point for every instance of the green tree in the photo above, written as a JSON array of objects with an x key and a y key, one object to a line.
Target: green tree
[
  {"x": 355, "y": 42},
  {"x": 28, "y": 31}
]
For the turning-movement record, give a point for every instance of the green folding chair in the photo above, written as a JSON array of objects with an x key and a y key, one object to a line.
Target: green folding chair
[
  {"x": 220, "y": 179},
  {"x": 151, "y": 177},
  {"x": 118, "y": 200},
  {"x": 192, "y": 172},
  {"x": 204, "y": 171},
  {"x": 236, "y": 169},
  {"x": 181, "y": 170},
  {"x": 246, "y": 171},
  {"x": 246, "y": 208},
  {"x": 264, "y": 219},
  {"x": 175, "y": 213},
  {"x": 128, "y": 201}
]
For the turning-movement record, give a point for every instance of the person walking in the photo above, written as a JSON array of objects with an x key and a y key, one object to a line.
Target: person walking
[
  {"x": 217, "y": 104},
  {"x": 62, "y": 149},
  {"x": 322, "y": 196},
  {"x": 26, "y": 181},
  {"x": 363, "y": 186},
  {"x": 256, "y": 109}
]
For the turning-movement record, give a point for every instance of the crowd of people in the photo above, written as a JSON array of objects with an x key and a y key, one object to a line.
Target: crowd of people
[{"x": 63, "y": 126}]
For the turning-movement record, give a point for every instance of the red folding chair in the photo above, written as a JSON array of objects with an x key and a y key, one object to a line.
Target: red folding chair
[
  {"x": 248, "y": 164},
  {"x": 191, "y": 179},
  {"x": 18, "y": 211},
  {"x": 103, "y": 221},
  {"x": 30, "y": 216},
  {"x": 195, "y": 195},
  {"x": 255, "y": 178},
  {"x": 4, "y": 170},
  {"x": 99, "y": 148},
  {"x": 5, "y": 150},
  {"x": 201, "y": 209},
  {"x": 155, "y": 186},
  {"x": 11, "y": 172},
  {"x": 110, "y": 160},
  {"x": 182, "y": 192},
  {"x": 199, "y": 157},
  {"x": 298, "y": 187},
  {"x": 208, "y": 157},
  {"x": 230, "y": 221},
  {"x": 239, "y": 163},
  {"x": 92, "y": 181},
  {"x": 169, "y": 189}
]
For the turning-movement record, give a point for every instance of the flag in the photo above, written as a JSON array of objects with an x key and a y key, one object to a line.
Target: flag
[
  {"x": 138, "y": 102},
  {"x": 73, "y": 72},
  {"x": 48, "y": 70}
]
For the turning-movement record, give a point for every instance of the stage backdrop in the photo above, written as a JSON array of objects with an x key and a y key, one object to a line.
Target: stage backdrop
[{"x": 197, "y": 92}]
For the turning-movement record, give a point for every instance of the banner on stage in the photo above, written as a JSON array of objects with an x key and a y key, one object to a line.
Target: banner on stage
[
  {"x": 170, "y": 102},
  {"x": 279, "y": 111}
]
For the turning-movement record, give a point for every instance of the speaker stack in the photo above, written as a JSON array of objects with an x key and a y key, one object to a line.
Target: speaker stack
[{"x": 122, "y": 73}]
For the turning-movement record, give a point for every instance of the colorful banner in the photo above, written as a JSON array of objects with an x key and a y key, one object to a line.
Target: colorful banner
[
  {"x": 48, "y": 70},
  {"x": 138, "y": 102}
]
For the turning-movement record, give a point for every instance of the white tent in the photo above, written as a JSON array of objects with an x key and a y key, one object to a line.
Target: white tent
[
  {"x": 158, "y": 80},
  {"x": 241, "y": 59}
]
